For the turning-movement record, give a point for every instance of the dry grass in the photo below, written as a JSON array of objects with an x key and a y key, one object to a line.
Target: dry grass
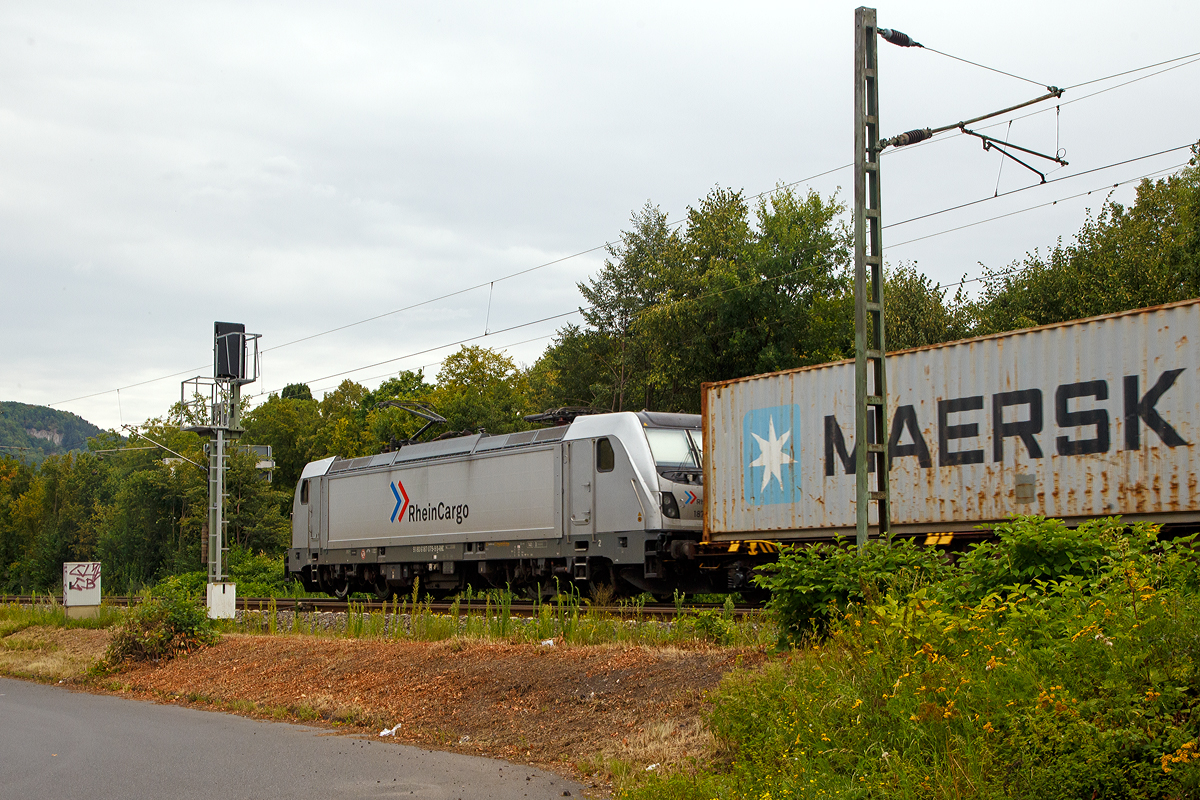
[
  {"x": 666, "y": 742},
  {"x": 47, "y": 653}
]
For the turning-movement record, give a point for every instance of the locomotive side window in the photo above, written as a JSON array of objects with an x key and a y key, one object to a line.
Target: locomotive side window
[
  {"x": 304, "y": 492},
  {"x": 605, "y": 459}
]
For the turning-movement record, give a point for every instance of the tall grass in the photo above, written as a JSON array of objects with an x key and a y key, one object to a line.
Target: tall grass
[
  {"x": 49, "y": 612},
  {"x": 567, "y": 618}
]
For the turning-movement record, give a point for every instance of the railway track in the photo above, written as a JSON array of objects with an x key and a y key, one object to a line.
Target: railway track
[{"x": 517, "y": 608}]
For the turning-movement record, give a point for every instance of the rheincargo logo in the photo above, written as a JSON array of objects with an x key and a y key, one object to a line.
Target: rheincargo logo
[
  {"x": 441, "y": 511},
  {"x": 401, "y": 500},
  {"x": 417, "y": 513}
]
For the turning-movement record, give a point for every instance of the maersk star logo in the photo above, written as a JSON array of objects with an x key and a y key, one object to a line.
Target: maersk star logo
[
  {"x": 769, "y": 450},
  {"x": 771, "y": 455}
]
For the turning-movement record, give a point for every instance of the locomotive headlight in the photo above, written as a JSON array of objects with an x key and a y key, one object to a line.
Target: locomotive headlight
[{"x": 670, "y": 508}]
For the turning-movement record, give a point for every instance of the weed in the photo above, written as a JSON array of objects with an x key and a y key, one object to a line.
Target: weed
[{"x": 161, "y": 626}]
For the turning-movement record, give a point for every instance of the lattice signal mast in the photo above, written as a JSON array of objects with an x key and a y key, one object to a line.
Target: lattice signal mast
[{"x": 212, "y": 407}]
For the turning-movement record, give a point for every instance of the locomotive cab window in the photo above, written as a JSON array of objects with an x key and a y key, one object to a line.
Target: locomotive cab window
[
  {"x": 605, "y": 458},
  {"x": 673, "y": 448},
  {"x": 304, "y": 491},
  {"x": 676, "y": 453}
]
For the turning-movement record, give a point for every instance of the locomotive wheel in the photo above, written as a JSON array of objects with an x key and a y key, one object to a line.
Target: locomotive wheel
[
  {"x": 383, "y": 592},
  {"x": 341, "y": 589}
]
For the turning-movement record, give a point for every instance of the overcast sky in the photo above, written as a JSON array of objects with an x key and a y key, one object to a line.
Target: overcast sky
[{"x": 299, "y": 167}]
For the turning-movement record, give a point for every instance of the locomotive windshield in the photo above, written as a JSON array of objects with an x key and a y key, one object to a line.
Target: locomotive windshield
[{"x": 675, "y": 450}]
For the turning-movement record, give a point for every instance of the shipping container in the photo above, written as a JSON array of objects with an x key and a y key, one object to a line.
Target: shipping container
[{"x": 1088, "y": 418}]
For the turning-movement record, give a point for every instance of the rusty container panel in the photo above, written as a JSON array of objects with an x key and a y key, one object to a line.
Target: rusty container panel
[{"x": 1093, "y": 417}]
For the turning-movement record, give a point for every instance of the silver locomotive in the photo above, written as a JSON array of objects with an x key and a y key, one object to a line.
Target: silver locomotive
[{"x": 601, "y": 500}]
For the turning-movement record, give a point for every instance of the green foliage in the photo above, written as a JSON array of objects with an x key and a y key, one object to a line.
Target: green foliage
[
  {"x": 389, "y": 425},
  {"x": 150, "y": 523},
  {"x": 918, "y": 313},
  {"x": 296, "y": 391},
  {"x": 723, "y": 298},
  {"x": 580, "y": 368},
  {"x": 289, "y": 425},
  {"x": 1120, "y": 259},
  {"x": 1031, "y": 549},
  {"x": 1076, "y": 685},
  {"x": 34, "y": 432},
  {"x": 258, "y": 574},
  {"x": 811, "y": 585},
  {"x": 253, "y": 507},
  {"x": 166, "y": 623},
  {"x": 480, "y": 388}
]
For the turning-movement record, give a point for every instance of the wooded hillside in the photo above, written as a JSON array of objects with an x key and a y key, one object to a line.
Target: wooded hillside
[{"x": 35, "y": 432}]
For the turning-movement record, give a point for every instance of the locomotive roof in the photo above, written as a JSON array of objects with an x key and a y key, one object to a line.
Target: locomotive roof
[
  {"x": 461, "y": 445},
  {"x": 661, "y": 419},
  {"x": 483, "y": 443}
]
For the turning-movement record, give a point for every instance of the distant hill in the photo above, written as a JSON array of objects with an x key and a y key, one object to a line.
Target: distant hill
[{"x": 42, "y": 431}]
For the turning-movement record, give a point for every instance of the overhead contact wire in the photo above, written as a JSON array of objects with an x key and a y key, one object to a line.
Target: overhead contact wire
[
  {"x": 1042, "y": 205},
  {"x": 1034, "y": 186}
]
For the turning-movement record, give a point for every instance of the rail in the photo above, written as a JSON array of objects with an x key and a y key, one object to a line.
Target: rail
[{"x": 516, "y": 607}]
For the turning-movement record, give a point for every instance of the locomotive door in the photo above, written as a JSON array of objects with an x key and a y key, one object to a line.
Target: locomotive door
[
  {"x": 312, "y": 494},
  {"x": 314, "y": 522},
  {"x": 583, "y": 496}
]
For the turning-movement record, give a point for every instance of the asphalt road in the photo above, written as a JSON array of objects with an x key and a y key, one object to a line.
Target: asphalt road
[{"x": 56, "y": 743}]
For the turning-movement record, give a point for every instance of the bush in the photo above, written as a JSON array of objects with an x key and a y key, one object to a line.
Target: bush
[
  {"x": 166, "y": 623},
  {"x": 811, "y": 584},
  {"x": 1030, "y": 549},
  {"x": 1050, "y": 663},
  {"x": 256, "y": 575}
]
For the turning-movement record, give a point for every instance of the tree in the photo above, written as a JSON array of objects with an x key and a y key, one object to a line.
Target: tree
[
  {"x": 296, "y": 391},
  {"x": 635, "y": 277},
  {"x": 580, "y": 368},
  {"x": 917, "y": 313},
  {"x": 480, "y": 388},
  {"x": 727, "y": 297},
  {"x": 151, "y": 524},
  {"x": 289, "y": 426},
  {"x": 342, "y": 431},
  {"x": 1121, "y": 259},
  {"x": 387, "y": 425},
  {"x": 254, "y": 508}
]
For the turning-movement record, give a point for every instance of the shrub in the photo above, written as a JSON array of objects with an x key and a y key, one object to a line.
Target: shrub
[
  {"x": 164, "y": 624},
  {"x": 1070, "y": 674},
  {"x": 810, "y": 584},
  {"x": 1030, "y": 549}
]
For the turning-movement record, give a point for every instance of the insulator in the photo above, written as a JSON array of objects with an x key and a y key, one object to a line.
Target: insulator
[
  {"x": 896, "y": 37},
  {"x": 912, "y": 137}
]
